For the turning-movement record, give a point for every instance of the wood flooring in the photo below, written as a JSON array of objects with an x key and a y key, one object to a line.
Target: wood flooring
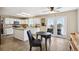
[{"x": 12, "y": 44}]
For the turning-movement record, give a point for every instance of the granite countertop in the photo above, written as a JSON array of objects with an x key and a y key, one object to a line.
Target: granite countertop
[{"x": 20, "y": 28}]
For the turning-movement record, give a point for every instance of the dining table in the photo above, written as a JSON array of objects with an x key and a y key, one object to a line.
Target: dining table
[{"x": 46, "y": 35}]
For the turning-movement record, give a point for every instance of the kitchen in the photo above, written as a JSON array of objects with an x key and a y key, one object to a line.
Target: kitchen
[{"x": 17, "y": 27}]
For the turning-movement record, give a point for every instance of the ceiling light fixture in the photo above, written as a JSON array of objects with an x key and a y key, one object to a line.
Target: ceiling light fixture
[{"x": 23, "y": 14}]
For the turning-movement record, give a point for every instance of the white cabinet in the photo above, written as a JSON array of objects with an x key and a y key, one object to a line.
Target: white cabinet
[
  {"x": 8, "y": 31},
  {"x": 9, "y": 21},
  {"x": 21, "y": 34},
  {"x": 6, "y": 21}
]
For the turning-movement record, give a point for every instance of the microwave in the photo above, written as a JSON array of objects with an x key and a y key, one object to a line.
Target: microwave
[{"x": 16, "y": 22}]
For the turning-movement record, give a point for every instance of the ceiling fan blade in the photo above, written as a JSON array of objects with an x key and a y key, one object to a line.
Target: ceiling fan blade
[
  {"x": 58, "y": 7},
  {"x": 45, "y": 10},
  {"x": 56, "y": 11}
]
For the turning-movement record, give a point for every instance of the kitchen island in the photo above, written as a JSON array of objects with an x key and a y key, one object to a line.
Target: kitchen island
[{"x": 21, "y": 33}]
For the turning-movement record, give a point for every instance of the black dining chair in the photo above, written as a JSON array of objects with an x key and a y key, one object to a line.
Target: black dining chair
[
  {"x": 50, "y": 30},
  {"x": 33, "y": 42}
]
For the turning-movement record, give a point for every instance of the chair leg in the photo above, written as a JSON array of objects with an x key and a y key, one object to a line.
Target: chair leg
[
  {"x": 40, "y": 48},
  {"x": 30, "y": 48},
  {"x": 70, "y": 48},
  {"x": 46, "y": 43},
  {"x": 41, "y": 38}
]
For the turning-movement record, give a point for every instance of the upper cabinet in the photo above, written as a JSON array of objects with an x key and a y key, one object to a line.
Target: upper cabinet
[{"x": 9, "y": 21}]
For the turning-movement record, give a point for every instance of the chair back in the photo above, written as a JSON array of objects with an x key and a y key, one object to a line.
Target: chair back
[
  {"x": 50, "y": 30},
  {"x": 30, "y": 36}
]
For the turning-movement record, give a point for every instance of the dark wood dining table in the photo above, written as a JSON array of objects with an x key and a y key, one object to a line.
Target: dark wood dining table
[{"x": 45, "y": 35}]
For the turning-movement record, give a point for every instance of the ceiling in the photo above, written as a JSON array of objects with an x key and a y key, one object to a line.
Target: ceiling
[{"x": 29, "y": 11}]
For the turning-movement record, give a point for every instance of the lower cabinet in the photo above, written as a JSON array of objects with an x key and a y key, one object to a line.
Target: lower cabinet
[
  {"x": 8, "y": 31},
  {"x": 21, "y": 34}
]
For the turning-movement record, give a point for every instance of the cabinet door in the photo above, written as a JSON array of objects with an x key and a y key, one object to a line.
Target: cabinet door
[
  {"x": 9, "y": 21},
  {"x": 6, "y": 21},
  {"x": 8, "y": 31}
]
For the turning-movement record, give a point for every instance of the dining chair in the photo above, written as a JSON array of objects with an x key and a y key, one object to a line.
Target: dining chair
[
  {"x": 33, "y": 42},
  {"x": 50, "y": 30}
]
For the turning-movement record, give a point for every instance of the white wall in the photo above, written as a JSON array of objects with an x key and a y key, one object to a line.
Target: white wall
[
  {"x": 78, "y": 19},
  {"x": 71, "y": 17},
  {"x": 72, "y": 22}
]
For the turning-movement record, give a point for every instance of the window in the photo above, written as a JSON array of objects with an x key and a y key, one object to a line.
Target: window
[
  {"x": 34, "y": 21},
  {"x": 50, "y": 22},
  {"x": 50, "y": 25},
  {"x": 31, "y": 22},
  {"x": 61, "y": 26},
  {"x": 58, "y": 24}
]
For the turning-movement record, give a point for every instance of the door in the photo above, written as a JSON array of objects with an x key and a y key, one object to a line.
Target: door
[
  {"x": 51, "y": 25},
  {"x": 58, "y": 24},
  {"x": 61, "y": 26}
]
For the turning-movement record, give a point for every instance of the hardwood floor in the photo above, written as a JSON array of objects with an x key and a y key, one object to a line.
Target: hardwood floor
[{"x": 11, "y": 44}]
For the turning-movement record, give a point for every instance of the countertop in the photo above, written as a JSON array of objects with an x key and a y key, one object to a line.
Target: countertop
[{"x": 21, "y": 28}]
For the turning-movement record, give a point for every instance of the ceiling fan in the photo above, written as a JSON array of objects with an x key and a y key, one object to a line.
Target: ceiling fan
[{"x": 52, "y": 10}]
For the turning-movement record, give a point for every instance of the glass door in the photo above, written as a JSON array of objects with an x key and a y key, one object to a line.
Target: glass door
[
  {"x": 61, "y": 26},
  {"x": 57, "y": 25},
  {"x": 50, "y": 25}
]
